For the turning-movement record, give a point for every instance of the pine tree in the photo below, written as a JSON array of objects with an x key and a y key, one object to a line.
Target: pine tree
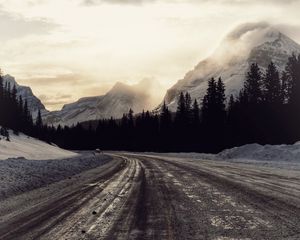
[
  {"x": 293, "y": 72},
  {"x": 209, "y": 102},
  {"x": 196, "y": 114},
  {"x": 181, "y": 110},
  {"x": 272, "y": 86},
  {"x": 252, "y": 85},
  {"x": 188, "y": 102},
  {"x": 284, "y": 92},
  {"x": 165, "y": 118},
  {"x": 221, "y": 98},
  {"x": 39, "y": 121},
  {"x": 130, "y": 118},
  {"x": 231, "y": 103}
]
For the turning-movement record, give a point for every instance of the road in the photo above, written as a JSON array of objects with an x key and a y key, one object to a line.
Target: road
[{"x": 151, "y": 197}]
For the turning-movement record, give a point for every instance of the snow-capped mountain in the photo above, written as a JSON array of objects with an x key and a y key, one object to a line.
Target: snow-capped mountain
[
  {"x": 34, "y": 104},
  {"x": 114, "y": 103},
  {"x": 247, "y": 44}
]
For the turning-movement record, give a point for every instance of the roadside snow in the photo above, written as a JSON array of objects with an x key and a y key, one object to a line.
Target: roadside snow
[
  {"x": 27, "y": 163},
  {"x": 275, "y": 156},
  {"x": 21, "y": 175},
  {"x": 285, "y": 153},
  {"x": 23, "y": 146}
]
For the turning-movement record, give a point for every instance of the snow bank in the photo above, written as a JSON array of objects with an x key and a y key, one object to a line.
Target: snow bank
[
  {"x": 23, "y": 146},
  {"x": 27, "y": 163},
  {"x": 21, "y": 175},
  {"x": 281, "y": 153}
]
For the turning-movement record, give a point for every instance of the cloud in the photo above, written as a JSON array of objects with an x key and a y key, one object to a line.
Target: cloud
[
  {"x": 56, "y": 91},
  {"x": 230, "y": 2},
  {"x": 97, "y": 2},
  {"x": 58, "y": 80},
  {"x": 15, "y": 26},
  {"x": 55, "y": 100},
  {"x": 246, "y": 28}
]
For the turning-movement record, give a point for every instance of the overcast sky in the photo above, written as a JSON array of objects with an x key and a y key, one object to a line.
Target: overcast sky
[{"x": 67, "y": 49}]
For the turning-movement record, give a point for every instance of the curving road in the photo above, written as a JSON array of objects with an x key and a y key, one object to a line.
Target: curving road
[{"x": 152, "y": 197}]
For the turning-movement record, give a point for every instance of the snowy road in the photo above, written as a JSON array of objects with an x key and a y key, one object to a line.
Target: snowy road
[{"x": 152, "y": 197}]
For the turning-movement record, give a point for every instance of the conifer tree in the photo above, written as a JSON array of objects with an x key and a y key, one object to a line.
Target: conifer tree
[
  {"x": 272, "y": 86},
  {"x": 285, "y": 92},
  {"x": 196, "y": 114},
  {"x": 130, "y": 118},
  {"x": 165, "y": 118},
  {"x": 252, "y": 85},
  {"x": 293, "y": 72}
]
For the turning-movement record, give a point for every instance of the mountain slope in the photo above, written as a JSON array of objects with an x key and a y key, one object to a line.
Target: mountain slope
[
  {"x": 23, "y": 146},
  {"x": 246, "y": 44},
  {"x": 117, "y": 101},
  {"x": 34, "y": 104}
]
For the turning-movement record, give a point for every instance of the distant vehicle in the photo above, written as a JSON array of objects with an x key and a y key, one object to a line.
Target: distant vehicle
[{"x": 97, "y": 150}]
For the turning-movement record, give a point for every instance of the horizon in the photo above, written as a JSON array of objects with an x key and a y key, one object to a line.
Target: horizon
[{"x": 65, "y": 58}]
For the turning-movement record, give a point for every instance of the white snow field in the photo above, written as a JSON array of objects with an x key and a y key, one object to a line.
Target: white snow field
[
  {"x": 23, "y": 146},
  {"x": 27, "y": 163}
]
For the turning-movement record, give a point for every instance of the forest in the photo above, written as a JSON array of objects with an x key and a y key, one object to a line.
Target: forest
[{"x": 266, "y": 111}]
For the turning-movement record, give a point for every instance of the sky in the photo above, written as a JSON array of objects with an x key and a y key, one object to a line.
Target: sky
[{"x": 68, "y": 49}]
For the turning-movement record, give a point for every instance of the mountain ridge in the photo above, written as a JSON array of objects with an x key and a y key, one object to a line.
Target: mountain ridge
[{"x": 246, "y": 44}]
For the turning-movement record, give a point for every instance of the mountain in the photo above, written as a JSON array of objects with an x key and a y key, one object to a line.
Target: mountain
[
  {"x": 114, "y": 103},
  {"x": 247, "y": 44},
  {"x": 34, "y": 104}
]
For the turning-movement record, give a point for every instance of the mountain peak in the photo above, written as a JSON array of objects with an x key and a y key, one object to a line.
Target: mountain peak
[
  {"x": 239, "y": 43},
  {"x": 252, "y": 42}
]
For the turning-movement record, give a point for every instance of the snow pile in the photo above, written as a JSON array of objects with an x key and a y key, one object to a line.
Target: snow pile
[
  {"x": 280, "y": 153},
  {"x": 21, "y": 175},
  {"x": 23, "y": 146}
]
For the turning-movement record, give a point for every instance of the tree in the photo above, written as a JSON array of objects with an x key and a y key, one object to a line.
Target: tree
[
  {"x": 272, "y": 91},
  {"x": 196, "y": 114},
  {"x": 165, "y": 118},
  {"x": 130, "y": 118},
  {"x": 181, "y": 110},
  {"x": 214, "y": 114},
  {"x": 39, "y": 121},
  {"x": 293, "y": 73},
  {"x": 252, "y": 85},
  {"x": 284, "y": 87},
  {"x": 220, "y": 99}
]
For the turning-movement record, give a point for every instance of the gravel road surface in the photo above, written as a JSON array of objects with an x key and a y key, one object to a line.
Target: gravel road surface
[{"x": 137, "y": 196}]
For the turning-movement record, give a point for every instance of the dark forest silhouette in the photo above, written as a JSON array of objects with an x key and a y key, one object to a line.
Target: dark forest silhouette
[{"x": 266, "y": 111}]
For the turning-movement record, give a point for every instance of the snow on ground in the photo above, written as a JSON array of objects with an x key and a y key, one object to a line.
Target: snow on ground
[
  {"x": 288, "y": 153},
  {"x": 21, "y": 175},
  {"x": 278, "y": 156},
  {"x": 23, "y": 146},
  {"x": 27, "y": 163}
]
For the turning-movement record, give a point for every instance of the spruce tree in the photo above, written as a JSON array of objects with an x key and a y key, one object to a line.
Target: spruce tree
[
  {"x": 252, "y": 85},
  {"x": 293, "y": 72},
  {"x": 181, "y": 111},
  {"x": 195, "y": 114},
  {"x": 272, "y": 85},
  {"x": 165, "y": 118},
  {"x": 39, "y": 121},
  {"x": 284, "y": 91}
]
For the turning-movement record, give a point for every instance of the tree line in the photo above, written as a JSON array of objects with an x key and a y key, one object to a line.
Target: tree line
[{"x": 266, "y": 111}]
